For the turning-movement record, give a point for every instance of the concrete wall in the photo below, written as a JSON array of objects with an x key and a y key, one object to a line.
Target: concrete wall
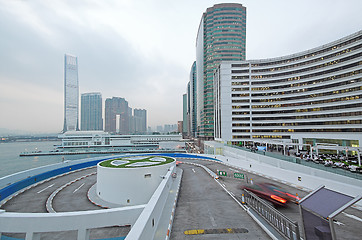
[
  {"x": 66, "y": 221},
  {"x": 83, "y": 221},
  {"x": 129, "y": 186},
  {"x": 147, "y": 223}
]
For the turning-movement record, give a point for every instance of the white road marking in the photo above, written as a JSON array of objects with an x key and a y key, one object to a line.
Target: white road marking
[
  {"x": 233, "y": 170},
  {"x": 241, "y": 205},
  {"x": 46, "y": 188},
  {"x": 78, "y": 188},
  {"x": 352, "y": 216},
  {"x": 193, "y": 170},
  {"x": 338, "y": 223},
  {"x": 212, "y": 219}
]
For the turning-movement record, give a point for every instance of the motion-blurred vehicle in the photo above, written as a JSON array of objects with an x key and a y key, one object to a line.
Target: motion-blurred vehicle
[
  {"x": 178, "y": 162},
  {"x": 272, "y": 193}
]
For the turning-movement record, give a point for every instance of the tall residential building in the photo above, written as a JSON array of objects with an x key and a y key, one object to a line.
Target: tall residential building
[
  {"x": 116, "y": 115},
  {"x": 131, "y": 121},
  {"x": 309, "y": 97},
  {"x": 71, "y": 93},
  {"x": 192, "y": 101},
  {"x": 140, "y": 120},
  {"x": 221, "y": 37},
  {"x": 91, "y": 111},
  {"x": 184, "y": 115}
]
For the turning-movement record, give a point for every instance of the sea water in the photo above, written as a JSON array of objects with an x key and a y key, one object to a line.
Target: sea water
[{"x": 11, "y": 162}]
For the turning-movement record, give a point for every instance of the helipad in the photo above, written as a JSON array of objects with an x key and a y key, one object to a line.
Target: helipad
[{"x": 136, "y": 161}]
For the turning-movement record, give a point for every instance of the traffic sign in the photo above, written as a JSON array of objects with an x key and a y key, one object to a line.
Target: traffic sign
[
  {"x": 222, "y": 173},
  {"x": 239, "y": 175}
]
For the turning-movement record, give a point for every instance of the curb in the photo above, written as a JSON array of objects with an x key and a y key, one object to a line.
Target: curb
[
  {"x": 92, "y": 200},
  {"x": 168, "y": 234},
  {"x": 49, "y": 202},
  {"x": 38, "y": 183}
]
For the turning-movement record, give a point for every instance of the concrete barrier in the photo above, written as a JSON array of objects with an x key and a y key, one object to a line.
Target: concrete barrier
[
  {"x": 147, "y": 223},
  {"x": 34, "y": 223},
  {"x": 297, "y": 175}
]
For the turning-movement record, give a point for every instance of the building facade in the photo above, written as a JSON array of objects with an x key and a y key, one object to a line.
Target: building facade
[
  {"x": 116, "y": 115},
  {"x": 221, "y": 37},
  {"x": 71, "y": 93},
  {"x": 184, "y": 115},
  {"x": 309, "y": 97},
  {"x": 103, "y": 140},
  {"x": 192, "y": 101},
  {"x": 140, "y": 121},
  {"x": 91, "y": 112}
]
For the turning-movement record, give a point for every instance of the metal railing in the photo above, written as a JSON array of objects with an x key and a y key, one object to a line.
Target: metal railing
[{"x": 286, "y": 227}]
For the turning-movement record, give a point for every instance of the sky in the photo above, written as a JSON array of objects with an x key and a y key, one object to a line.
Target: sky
[{"x": 141, "y": 50}]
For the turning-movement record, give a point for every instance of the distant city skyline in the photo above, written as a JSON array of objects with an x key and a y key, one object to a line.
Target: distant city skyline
[{"x": 148, "y": 64}]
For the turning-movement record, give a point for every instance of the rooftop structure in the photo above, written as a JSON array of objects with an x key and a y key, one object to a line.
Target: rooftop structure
[{"x": 131, "y": 180}]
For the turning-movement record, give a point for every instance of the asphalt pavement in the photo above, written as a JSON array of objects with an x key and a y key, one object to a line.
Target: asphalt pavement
[{"x": 205, "y": 211}]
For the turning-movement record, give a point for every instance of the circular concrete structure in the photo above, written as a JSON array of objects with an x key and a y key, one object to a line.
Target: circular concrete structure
[{"x": 131, "y": 180}]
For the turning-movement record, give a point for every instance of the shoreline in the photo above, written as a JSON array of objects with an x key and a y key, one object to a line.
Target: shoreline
[{"x": 49, "y": 153}]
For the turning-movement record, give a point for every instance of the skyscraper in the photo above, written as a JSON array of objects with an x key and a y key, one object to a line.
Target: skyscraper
[
  {"x": 117, "y": 115},
  {"x": 184, "y": 115},
  {"x": 91, "y": 111},
  {"x": 192, "y": 100},
  {"x": 221, "y": 37},
  {"x": 71, "y": 93},
  {"x": 140, "y": 118}
]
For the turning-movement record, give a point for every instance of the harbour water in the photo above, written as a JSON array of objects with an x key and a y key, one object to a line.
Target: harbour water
[{"x": 11, "y": 162}]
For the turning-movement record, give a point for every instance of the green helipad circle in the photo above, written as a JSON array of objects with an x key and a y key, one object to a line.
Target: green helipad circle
[{"x": 136, "y": 161}]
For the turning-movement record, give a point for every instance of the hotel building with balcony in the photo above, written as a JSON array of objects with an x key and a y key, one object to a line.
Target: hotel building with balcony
[{"x": 309, "y": 97}]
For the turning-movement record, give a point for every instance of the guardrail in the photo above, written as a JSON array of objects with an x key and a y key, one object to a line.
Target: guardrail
[
  {"x": 300, "y": 161},
  {"x": 286, "y": 227}
]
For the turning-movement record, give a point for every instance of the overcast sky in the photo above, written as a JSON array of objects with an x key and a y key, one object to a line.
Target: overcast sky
[{"x": 141, "y": 50}]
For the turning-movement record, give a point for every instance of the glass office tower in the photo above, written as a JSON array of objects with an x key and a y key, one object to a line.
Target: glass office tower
[
  {"x": 91, "y": 111},
  {"x": 221, "y": 37},
  {"x": 71, "y": 93}
]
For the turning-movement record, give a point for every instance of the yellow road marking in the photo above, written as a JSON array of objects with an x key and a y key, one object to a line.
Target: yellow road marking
[
  {"x": 215, "y": 231},
  {"x": 194, "y": 232}
]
